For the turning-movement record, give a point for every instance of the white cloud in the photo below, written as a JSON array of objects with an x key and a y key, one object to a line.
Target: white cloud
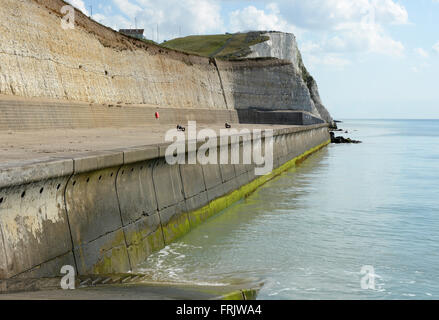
[
  {"x": 337, "y": 26},
  {"x": 329, "y": 14},
  {"x": 333, "y": 60},
  {"x": 316, "y": 54},
  {"x": 80, "y": 5},
  {"x": 348, "y": 26},
  {"x": 415, "y": 69},
  {"x": 127, "y": 7},
  {"x": 436, "y": 46},
  {"x": 171, "y": 16},
  {"x": 115, "y": 22},
  {"x": 251, "y": 18},
  {"x": 99, "y": 17},
  {"x": 354, "y": 38},
  {"x": 370, "y": 38},
  {"x": 388, "y": 11},
  {"x": 419, "y": 68},
  {"x": 422, "y": 53}
]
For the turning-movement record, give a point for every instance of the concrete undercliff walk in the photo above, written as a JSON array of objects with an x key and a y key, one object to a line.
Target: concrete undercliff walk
[
  {"x": 84, "y": 181},
  {"x": 106, "y": 211}
]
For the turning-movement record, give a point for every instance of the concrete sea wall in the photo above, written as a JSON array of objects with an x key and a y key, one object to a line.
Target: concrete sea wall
[
  {"x": 287, "y": 117},
  {"x": 30, "y": 114},
  {"x": 105, "y": 212},
  {"x": 37, "y": 114}
]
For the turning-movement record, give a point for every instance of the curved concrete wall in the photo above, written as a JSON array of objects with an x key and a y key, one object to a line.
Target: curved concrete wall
[
  {"x": 37, "y": 114},
  {"x": 106, "y": 212},
  {"x": 25, "y": 114}
]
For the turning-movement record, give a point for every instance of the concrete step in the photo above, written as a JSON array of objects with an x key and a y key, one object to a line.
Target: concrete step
[{"x": 37, "y": 115}]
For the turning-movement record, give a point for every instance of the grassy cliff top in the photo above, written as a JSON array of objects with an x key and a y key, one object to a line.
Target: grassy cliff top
[{"x": 227, "y": 46}]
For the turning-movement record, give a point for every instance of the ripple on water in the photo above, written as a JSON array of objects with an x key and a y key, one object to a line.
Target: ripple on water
[{"x": 308, "y": 233}]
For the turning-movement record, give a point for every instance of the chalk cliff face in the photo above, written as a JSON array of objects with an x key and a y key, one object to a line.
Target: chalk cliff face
[
  {"x": 281, "y": 46},
  {"x": 264, "y": 85},
  {"x": 284, "y": 46},
  {"x": 92, "y": 63},
  {"x": 95, "y": 64}
]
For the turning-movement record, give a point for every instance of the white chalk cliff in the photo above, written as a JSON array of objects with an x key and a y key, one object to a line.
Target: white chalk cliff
[
  {"x": 284, "y": 46},
  {"x": 93, "y": 63}
]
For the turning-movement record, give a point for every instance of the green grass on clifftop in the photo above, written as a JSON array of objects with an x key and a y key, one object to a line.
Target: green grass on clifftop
[
  {"x": 201, "y": 45},
  {"x": 227, "y": 46}
]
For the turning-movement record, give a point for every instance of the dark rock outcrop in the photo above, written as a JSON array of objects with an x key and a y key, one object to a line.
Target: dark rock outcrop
[{"x": 339, "y": 140}]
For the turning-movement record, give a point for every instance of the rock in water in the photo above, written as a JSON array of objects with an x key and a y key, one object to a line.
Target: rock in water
[{"x": 339, "y": 140}]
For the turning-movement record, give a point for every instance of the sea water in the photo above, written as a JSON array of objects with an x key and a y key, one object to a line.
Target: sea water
[{"x": 351, "y": 222}]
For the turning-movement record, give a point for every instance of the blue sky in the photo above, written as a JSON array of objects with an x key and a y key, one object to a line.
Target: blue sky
[{"x": 371, "y": 58}]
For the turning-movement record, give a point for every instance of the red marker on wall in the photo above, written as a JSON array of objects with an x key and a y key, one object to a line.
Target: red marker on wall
[{"x": 157, "y": 115}]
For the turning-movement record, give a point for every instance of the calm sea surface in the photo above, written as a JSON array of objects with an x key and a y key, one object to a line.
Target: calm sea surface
[{"x": 308, "y": 233}]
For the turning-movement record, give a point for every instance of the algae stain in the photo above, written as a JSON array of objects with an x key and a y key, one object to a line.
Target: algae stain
[{"x": 116, "y": 259}]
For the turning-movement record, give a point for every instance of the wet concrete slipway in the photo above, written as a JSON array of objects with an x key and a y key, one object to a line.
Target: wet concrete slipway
[{"x": 125, "y": 287}]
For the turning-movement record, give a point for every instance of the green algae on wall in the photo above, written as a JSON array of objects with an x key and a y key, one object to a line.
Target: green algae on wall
[
  {"x": 183, "y": 223},
  {"x": 113, "y": 229}
]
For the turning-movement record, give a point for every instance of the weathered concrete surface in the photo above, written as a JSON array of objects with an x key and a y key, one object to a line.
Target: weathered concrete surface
[
  {"x": 18, "y": 113},
  {"x": 137, "y": 291},
  {"x": 113, "y": 208},
  {"x": 29, "y": 149},
  {"x": 48, "y": 269},
  {"x": 138, "y": 205},
  {"x": 135, "y": 190},
  {"x": 24, "y": 170},
  {"x": 143, "y": 237},
  {"x": 33, "y": 225},
  {"x": 95, "y": 222},
  {"x": 66, "y": 199},
  {"x": 253, "y": 116},
  {"x": 213, "y": 181},
  {"x": 170, "y": 200}
]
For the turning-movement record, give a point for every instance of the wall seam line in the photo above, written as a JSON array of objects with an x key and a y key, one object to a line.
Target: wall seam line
[
  {"x": 4, "y": 250},
  {"x": 120, "y": 212},
  {"x": 186, "y": 211},
  {"x": 156, "y": 201},
  {"x": 38, "y": 265},
  {"x": 68, "y": 217}
]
